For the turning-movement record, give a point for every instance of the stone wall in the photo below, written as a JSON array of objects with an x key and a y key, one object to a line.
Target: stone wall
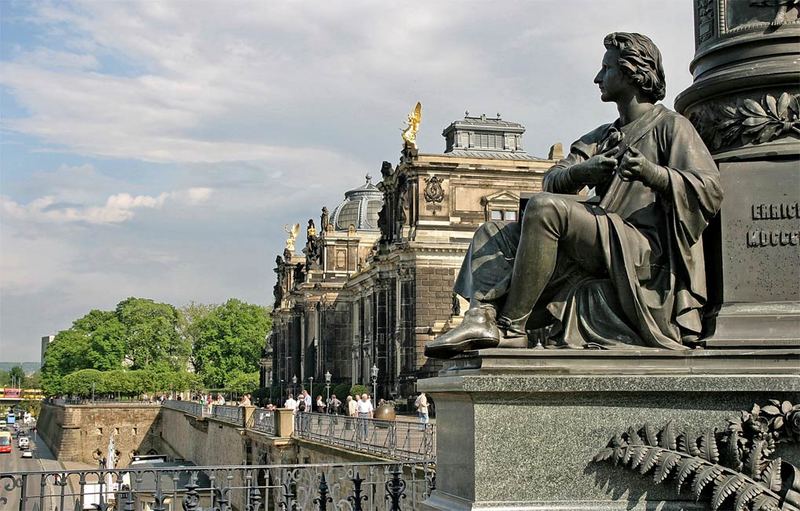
[
  {"x": 434, "y": 293},
  {"x": 77, "y": 432},
  {"x": 204, "y": 441}
]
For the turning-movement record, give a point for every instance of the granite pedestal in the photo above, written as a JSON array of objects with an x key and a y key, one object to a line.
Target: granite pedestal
[{"x": 517, "y": 429}]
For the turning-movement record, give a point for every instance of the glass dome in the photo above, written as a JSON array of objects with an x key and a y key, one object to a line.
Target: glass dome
[{"x": 360, "y": 208}]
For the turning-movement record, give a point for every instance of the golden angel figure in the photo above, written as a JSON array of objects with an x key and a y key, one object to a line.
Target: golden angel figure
[
  {"x": 293, "y": 232},
  {"x": 410, "y": 133}
]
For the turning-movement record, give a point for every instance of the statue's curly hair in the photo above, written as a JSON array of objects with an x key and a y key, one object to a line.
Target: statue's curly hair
[{"x": 640, "y": 60}]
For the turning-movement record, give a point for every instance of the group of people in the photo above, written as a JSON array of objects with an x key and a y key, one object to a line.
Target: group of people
[{"x": 304, "y": 403}]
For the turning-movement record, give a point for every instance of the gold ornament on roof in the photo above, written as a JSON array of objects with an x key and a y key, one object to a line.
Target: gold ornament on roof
[
  {"x": 410, "y": 132},
  {"x": 293, "y": 232}
]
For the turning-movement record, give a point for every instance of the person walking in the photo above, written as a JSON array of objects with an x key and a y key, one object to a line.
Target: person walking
[
  {"x": 350, "y": 410},
  {"x": 365, "y": 410},
  {"x": 333, "y": 407},
  {"x": 421, "y": 403},
  {"x": 291, "y": 404}
]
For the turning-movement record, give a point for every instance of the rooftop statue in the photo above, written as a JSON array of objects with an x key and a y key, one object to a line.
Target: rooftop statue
[
  {"x": 621, "y": 269},
  {"x": 292, "y": 232},
  {"x": 410, "y": 132}
]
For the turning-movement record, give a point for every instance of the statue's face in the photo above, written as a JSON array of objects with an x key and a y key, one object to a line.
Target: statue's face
[{"x": 614, "y": 84}]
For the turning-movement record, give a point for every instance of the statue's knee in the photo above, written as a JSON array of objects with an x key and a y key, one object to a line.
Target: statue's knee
[
  {"x": 491, "y": 227},
  {"x": 545, "y": 206}
]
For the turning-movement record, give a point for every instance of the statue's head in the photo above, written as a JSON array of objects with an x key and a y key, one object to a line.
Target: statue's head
[{"x": 635, "y": 59}]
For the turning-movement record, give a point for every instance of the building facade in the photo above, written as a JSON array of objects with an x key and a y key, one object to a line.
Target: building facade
[{"x": 374, "y": 284}]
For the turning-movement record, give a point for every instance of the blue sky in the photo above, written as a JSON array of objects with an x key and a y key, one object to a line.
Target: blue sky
[{"x": 156, "y": 149}]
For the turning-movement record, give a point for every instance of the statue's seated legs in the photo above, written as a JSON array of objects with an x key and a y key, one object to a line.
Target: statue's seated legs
[{"x": 514, "y": 269}]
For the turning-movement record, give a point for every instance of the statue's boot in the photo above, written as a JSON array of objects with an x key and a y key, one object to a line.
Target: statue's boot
[
  {"x": 513, "y": 333},
  {"x": 477, "y": 331}
]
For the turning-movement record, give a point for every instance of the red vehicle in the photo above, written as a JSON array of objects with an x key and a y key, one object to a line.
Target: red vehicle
[{"x": 5, "y": 441}]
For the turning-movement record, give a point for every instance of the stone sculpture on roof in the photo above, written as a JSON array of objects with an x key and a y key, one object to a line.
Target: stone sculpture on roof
[
  {"x": 410, "y": 132},
  {"x": 292, "y": 232}
]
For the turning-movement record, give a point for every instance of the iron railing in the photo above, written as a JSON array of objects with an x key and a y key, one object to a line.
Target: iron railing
[
  {"x": 189, "y": 407},
  {"x": 263, "y": 421},
  {"x": 401, "y": 440},
  {"x": 351, "y": 487},
  {"x": 232, "y": 414}
]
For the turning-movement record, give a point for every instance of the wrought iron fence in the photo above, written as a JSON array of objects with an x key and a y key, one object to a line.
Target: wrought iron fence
[
  {"x": 232, "y": 414},
  {"x": 189, "y": 407},
  {"x": 263, "y": 421},
  {"x": 402, "y": 440},
  {"x": 323, "y": 487}
]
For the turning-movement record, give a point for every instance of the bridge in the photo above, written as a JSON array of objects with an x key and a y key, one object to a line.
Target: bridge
[{"x": 13, "y": 395}]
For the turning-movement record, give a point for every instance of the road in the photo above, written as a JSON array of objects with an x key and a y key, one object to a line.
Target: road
[{"x": 14, "y": 462}]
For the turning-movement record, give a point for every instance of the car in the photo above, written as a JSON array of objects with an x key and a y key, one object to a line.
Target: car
[
  {"x": 23, "y": 442},
  {"x": 27, "y": 454}
]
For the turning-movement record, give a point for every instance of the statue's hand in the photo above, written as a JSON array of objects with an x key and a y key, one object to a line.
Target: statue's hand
[
  {"x": 635, "y": 166},
  {"x": 596, "y": 169}
]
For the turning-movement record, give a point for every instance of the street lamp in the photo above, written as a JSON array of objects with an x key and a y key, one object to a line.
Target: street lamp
[
  {"x": 374, "y": 382},
  {"x": 280, "y": 396},
  {"x": 328, "y": 388},
  {"x": 311, "y": 387},
  {"x": 294, "y": 384}
]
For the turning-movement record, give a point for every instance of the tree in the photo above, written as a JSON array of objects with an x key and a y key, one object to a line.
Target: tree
[
  {"x": 228, "y": 340},
  {"x": 83, "y": 383},
  {"x": 107, "y": 345},
  {"x": 242, "y": 383},
  {"x": 189, "y": 323},
  {"x": 66, "y": 354},
  {"x": 34, "y": 381},
  {"x": 16, "y": 376},
  {"x": 152, "y": 334}
]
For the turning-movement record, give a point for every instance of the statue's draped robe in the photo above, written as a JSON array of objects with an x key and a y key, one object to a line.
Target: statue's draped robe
[{"x": 654, "y": 287}]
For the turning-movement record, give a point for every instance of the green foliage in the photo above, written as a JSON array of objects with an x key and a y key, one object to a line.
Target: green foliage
[
  {"x": 240, "y": 383},
  {"x": 17, "y": 375},
  {"x": 341, "y": 390},
  {"x": 357, "y": 389},
  {"x": 82, "y": 383},
  {"x": 121, "y": 382},
  {"x": 144, "y": 347},
  {"x": 33, "y": 381},
  {"x": 229, "y": 340},
  {"x": 189, "y": 323},
  {"x": 66, "y": 354},
  {"x": 152, "y": 334}
]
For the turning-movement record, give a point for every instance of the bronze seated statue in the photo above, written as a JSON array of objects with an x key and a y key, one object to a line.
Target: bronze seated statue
[{"x": 622, "y": 269}]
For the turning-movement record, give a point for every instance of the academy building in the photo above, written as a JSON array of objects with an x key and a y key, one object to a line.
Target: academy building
[{"x": 373, "y": 283}]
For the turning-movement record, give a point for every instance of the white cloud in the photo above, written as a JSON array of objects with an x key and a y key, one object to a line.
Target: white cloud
[
  {"x": 260, "y": 113},
  {"x": 118, "y": 208}
]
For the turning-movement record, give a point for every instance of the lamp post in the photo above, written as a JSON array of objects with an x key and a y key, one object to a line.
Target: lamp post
[
  {"x": 311, "y": 388},
  {"x": 280, "y": 397},
  {"x": 294, "y": 384},
  {"x": 375, "y": 382},
  {"x": 328, "y": 388}
]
